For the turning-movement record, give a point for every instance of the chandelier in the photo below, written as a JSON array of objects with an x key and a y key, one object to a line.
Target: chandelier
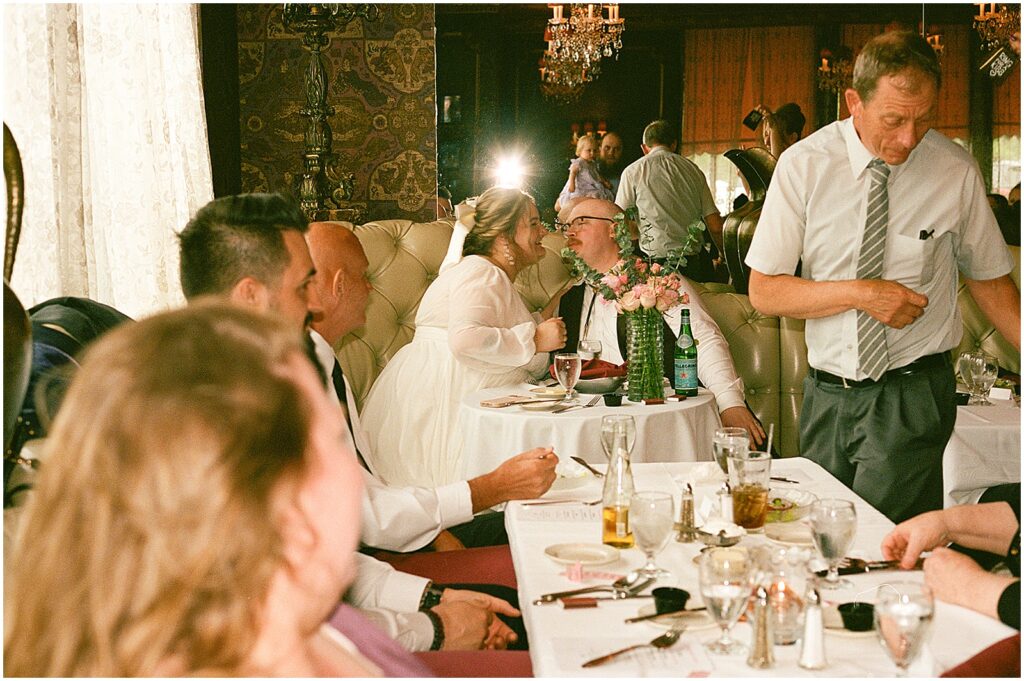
[
  {"x": 586, "y": 35},
  {"x": 836, "y": 70},
  {"x": 996, "y": 24}
]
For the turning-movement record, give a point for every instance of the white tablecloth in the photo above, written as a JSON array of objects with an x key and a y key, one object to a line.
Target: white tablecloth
[
  {"x": 560, "y": 640},
  {"x": 674, "y": 431},
  {"x": 983, "y": 451}
]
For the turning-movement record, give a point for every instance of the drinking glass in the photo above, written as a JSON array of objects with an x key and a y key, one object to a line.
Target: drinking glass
[
  {"x": 590, "y": 349},
  {"x": 903, "y": 615},
  {"x": 725, "y": 584},
  {"x": 984, "y": 370},
  {"x": 833, "y": 525},
  {"x": 963, "y": 367},
  {"x": 652, "y": 517},
  {"x": 730, "y": 442},
  {"x": 567, "y": 371},
  {"x": 750, "y": 475},
  {"x": 608, "y": 432}
]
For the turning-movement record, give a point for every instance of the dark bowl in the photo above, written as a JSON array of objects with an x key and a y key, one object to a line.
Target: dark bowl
[
  {"x": 857, "y": 616},
  {"x": 612, "y": 399},
  {"x": 669, "y": 599}
]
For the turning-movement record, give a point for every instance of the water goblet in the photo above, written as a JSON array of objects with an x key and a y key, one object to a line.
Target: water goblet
[
  {"x": 903, "y": 616},
  {"x": 590, "y": 349},
  {"x": 963, "y": 367},
  {"x": 833, "y": 525},
  {"x": 608, "y": 432},
  {"x": 730, "y": 442},
  {"x": 652, "y": 517},
  {"x": 567, "y": 371},
  {"x": 984, "y": 370},
  {"x": 725, "y": 584}
]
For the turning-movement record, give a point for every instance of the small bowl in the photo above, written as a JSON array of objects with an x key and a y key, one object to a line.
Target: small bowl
[
  {"x": 596, "y": 386},
  {"x": 857, "y": 616},
  {"x": 669, "y": 599},
  {"x": 787, "y": 505},
  {"x": 612, "y": 399}
]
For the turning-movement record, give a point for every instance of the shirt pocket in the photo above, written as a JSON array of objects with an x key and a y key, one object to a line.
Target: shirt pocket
[{"x": 910, "y": 260}]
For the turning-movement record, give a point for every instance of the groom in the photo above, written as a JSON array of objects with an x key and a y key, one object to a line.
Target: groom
[{"x": 590, "y": 234}]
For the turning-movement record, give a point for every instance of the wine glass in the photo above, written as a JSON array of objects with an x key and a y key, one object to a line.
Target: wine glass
[
  {"x": 963, "y": 367},
  {"x": 590, "y": 349},
  {"x": 608, "y": 432},
  {"x": 730, "y": 442},
  {"x": 567, "y": 370},
  {"x": 651, "y": 517},
  {"x": 903, "y": 615},
  {"x": 725, "y": 583},
  {"x": 833, "y": 525},
  {"x": 984, "y": 370}
]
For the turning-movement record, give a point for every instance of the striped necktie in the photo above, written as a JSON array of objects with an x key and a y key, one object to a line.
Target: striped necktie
[{"x": 873, "y": 352}]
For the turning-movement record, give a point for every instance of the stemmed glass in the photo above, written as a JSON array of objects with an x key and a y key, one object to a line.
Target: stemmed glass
[
  {"x": 725, "y": 582},
  {"x": 903, "y": 616},
  {"x": 590, "y": 349},
  {"x": 608, "y": 432},
  {"x": 651, "y": 517},
  {"x": 730, "y": 442},
  {"x": 833, "y": 525},
  {"x": 978, "y": 370},
  {"x": 567, "y": 371}
]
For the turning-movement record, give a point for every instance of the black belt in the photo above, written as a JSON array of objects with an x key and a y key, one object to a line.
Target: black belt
[{"x": 940, "y": 359}]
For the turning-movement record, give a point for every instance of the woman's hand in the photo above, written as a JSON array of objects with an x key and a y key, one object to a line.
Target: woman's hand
[{"x": 550, "y": 335}]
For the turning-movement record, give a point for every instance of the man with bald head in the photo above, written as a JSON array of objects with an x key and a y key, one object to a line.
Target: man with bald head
[
  {"x": 590, "y": 234},
  {"x": 609, "y": 156}
]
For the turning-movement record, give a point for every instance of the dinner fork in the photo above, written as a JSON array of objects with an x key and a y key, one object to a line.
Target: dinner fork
[
  {"x": 666, "y": 640},
  {"x": 567, "y": 407}
]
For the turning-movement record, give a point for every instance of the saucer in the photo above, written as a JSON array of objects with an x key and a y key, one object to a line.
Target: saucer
[
  {"x": 789, "y": 534},
  {"x": 567, "y": 482},
  {"x": 694, "y": 621},
  {"x": 582, "y": 553},
  {"x": 549, "y": 391},
  {"x": 546, "y": 405}
]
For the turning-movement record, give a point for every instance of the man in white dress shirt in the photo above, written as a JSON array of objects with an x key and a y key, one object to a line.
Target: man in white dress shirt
[
  {"x": 251, "y": 250},
  {"x": 591, "y": 235},
  {"x": 882, "y": 211}
]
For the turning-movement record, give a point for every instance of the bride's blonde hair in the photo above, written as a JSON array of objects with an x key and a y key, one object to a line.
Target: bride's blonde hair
[
  {"x": 497, "y": 212},
  {"x": 149, "y": 543}
]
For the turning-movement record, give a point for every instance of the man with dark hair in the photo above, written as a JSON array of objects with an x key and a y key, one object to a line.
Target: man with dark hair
[
  {"x": 882, "y": 212},
  {"x": 783, "y": 128},
  {"x": 609, "y": 154},
  {"x": 670, "y": 194}
]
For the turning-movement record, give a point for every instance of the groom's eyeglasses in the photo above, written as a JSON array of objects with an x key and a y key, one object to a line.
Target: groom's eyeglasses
[{"x": 577, "y": 222}]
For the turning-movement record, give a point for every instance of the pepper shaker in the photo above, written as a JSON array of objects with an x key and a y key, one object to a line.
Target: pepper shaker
[
  {"x": 812, "y": 646},
  {"x": 686, "y": 527},
  {"x": 761, "y": 655}
]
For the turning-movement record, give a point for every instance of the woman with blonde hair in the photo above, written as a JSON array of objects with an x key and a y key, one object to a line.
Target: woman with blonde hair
[
  {"x": 473, "y": 331},
  {"x": 196, "y": 514}
]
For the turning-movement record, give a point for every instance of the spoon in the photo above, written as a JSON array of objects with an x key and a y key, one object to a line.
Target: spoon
[
  {"x": 623, "y": 585},
  {"x": 586, "y": 465},
  {"x": 666, "y": 640}
]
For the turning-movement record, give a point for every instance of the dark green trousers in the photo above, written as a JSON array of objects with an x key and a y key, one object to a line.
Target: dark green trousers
[{"x": 883, "y": 441}]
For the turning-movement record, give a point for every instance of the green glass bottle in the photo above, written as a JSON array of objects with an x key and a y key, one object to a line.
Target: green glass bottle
[{"x": 685, "y": 359}]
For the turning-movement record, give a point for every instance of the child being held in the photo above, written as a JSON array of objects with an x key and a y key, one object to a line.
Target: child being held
[{"x": 584, "y": 177}]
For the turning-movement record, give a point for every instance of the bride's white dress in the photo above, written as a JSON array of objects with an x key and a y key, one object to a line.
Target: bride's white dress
[{"x": 472, "y": 332}]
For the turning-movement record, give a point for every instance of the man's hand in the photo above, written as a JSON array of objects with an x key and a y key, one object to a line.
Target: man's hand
[
  {"x": 891, "y": 303},
  {"x": 524, "y": 476},
  {"x": 550, "y": 335},
  {"x": 907, "y": 540},
  {"x": 955, "y": 578},
  {"x": 498, "y": 635},
  {"x": 740, "y": 417},
  {"x": 466, "y": 624},
  {"x": 446, "y": 541}
]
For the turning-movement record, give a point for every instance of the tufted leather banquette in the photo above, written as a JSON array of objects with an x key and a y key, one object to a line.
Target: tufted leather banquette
[{"x": 769, "y": 352}]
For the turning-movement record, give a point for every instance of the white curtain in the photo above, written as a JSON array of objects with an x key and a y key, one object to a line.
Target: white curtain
[{"x": 105, "y": 102}]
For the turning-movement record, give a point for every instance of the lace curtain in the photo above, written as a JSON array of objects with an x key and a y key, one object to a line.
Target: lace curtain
[{"x": 106, "y": 104}]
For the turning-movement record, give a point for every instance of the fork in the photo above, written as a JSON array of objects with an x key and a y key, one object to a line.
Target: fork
[
  {"x": 666, "y": 640},
  {"x": 567, "y": 407},
  {"x": 545, "y": 502}
]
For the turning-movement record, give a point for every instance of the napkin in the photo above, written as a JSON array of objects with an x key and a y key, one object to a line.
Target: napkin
[{"x": 596, "y": 368}]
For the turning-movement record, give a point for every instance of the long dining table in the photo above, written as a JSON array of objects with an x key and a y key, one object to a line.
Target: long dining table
[{"x": 561, "y": 639}]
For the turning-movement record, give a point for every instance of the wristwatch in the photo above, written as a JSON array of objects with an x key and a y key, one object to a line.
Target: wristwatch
[
  {"x": 435, "y": 619},
  {"x": 431, "y": 596}
]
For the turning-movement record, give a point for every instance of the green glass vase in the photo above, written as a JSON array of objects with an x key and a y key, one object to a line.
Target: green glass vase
[{"x": 645, "y": 337}]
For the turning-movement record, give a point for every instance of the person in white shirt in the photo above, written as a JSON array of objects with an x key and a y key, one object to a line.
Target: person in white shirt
[
  {"x": 590, "y": 233},
  {"x": 882, "y": 212}
]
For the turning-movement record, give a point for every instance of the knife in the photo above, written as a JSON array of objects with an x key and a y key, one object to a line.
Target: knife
[
  {"x": 586, "y": 465},
  {"x": 858, "y": 567},
  {"x": 655, "y": 616},
  {"x": 567, "y": 407}
]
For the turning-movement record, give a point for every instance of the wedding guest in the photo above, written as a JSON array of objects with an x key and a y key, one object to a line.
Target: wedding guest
[
  {"x": 585, "y": 177},
  {"x": 473, "y": 331},
  {"x": 609, "y": 157},
  {"x": 194, "y": 516},
  {"x": 782, "y": 128},
  {"x": 877, "y": 290},
  {"x": 990, "y": 526},
  {"x": 590, "y": 233}
]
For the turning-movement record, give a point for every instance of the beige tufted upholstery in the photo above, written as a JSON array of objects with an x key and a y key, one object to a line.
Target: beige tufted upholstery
[{"x": 769, "y": 352}]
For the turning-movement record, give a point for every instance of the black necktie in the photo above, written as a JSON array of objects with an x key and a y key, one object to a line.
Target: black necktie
[{"x": 339, "y": 387}]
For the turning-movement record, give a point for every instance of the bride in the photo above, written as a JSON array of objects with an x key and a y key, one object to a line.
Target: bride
[{"x": 473, "y": 331}]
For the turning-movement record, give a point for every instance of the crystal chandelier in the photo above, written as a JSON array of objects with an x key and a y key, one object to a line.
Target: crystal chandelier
[
  {"x": 586, "y": 35},
  {"x": 996, "y": 24}
]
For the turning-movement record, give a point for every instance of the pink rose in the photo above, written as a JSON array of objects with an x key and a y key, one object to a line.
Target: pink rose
[
  {"x": 655, "y": 268},
  {"x": 611, "y": 281},
  {"x": 629, "y": 301}
]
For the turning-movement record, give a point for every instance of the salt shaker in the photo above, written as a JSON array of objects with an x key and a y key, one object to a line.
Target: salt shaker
[
  {"x": 761, "y": 655},
  {"x": 686, "y": 528},
  {"x": 812, "y": 646},
  {"x": 725, "y": 502}
]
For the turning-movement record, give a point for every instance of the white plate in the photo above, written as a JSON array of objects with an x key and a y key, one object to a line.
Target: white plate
[
  {"x": 789, "y": 534},
  {"x": 584, "y": 554},
  {"x": 551, "y": 390},
  {"x": 694, "y": 621},
  {"x": 547, "y": 405},
  {"x": 565, "y": 482}
]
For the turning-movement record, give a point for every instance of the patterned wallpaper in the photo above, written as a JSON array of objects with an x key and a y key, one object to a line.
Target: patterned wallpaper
[{"x": 382, "y": 88}]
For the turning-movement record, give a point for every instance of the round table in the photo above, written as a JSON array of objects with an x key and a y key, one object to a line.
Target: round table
[{"x": 674, "y": 431}]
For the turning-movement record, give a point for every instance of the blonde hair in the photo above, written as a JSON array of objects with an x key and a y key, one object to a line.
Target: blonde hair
[
  {"x": 586, "y": 141},
  {"x": 497, "y": 212},
  {"x": 148, "y": 545}
]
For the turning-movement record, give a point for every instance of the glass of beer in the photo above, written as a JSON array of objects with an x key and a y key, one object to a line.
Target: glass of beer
[{"x": 749, "y": 475}]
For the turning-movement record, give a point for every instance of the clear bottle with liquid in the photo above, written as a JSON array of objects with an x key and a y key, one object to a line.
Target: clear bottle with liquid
[
  {"x": 618, "y": 488},
  {"x": 685, "y": 359}
]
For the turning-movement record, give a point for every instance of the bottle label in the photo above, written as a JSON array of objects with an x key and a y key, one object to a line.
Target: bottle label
[
  {"x": 686, "y": 373},
  {"x": 684, "y": 341}
]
